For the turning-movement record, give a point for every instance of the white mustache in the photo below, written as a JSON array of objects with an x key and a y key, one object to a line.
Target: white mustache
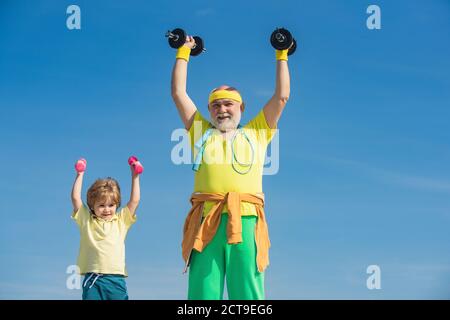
[{"x": 224, "y": 115}]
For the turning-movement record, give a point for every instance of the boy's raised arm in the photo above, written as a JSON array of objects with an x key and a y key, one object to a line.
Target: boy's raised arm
[
  {"x": 135, "y": 196},
  {"x": 76, "y": 192}
]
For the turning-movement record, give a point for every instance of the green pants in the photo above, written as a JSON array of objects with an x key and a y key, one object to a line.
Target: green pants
[
  {"x": 104, "y": 287},
  {"x": 235, "y": 262}
]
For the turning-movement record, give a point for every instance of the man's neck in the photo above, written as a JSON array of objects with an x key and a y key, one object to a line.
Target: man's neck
[{"x": 228, "y": 134}]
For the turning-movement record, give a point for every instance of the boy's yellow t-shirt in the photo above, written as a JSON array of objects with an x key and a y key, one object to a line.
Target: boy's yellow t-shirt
[
  {"x": 231, "y": 167},
  {"x": 102, "y": 243}
]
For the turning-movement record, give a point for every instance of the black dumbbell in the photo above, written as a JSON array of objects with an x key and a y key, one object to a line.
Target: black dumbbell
[
  {"x": 281, "y": 39},
  {"x": 177, "y": 38}
]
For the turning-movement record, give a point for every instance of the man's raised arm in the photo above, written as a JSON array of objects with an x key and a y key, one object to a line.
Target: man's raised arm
[
  {"x": 186, "y": 107},
  {"x": 274, "y": 107}
]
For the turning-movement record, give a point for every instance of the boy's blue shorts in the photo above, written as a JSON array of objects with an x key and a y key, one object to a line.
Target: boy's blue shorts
[{"x": 104, "y": 287}]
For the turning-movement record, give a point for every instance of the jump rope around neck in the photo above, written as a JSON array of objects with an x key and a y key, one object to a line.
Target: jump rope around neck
[{"x": 201, "y": 144}]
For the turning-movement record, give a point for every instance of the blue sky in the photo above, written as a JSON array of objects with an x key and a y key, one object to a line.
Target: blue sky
[{"x": 364, "y": 174}]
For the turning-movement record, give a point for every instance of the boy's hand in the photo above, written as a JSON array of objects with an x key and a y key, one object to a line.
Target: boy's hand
[
  {"x": 80, "y": 165},
  {"x": 133, "y": 172},
  {"x": 136, "y": 167}
]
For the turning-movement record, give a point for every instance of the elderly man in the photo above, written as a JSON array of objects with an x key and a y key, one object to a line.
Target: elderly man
[{"x": 225, "y": 236}]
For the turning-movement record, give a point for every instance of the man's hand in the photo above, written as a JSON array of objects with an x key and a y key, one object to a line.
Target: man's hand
[{"x": 190, "y": 42}]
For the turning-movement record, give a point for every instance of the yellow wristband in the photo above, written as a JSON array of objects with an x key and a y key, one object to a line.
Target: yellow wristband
[
  {"x": 281, "y": 54},
  {"x": 184, "y": 52}
]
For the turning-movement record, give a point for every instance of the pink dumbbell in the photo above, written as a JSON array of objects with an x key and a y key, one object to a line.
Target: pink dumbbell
[
  {"x": 80, "y": 166},
  {"x": 138, "y": 168}
]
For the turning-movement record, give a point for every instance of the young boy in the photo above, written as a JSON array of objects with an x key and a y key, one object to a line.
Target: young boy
[{"x": 103, "y": 229}]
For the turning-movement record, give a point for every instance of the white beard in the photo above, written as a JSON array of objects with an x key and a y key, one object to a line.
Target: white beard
[{"x": 227, "y": 124}]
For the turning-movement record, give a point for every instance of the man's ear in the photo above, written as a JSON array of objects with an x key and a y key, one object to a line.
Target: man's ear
[{"x": 242, "y": 107}]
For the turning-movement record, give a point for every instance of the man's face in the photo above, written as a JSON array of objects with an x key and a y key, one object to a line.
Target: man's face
[{"x": 225, "y": 114}]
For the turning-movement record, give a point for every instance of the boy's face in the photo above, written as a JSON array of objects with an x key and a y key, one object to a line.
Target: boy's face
[
  {"x": 225, "y": 114},
  {"x": 105, "y": 209}
]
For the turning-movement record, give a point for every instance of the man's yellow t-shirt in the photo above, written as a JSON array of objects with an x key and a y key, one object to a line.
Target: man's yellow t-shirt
[
  {"x": 231, "y": 165},
  {"x": 102, "y": 243}
]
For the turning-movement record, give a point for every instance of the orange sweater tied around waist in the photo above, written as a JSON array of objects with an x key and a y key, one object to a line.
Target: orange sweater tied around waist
[{"x": 197, "y": 234}]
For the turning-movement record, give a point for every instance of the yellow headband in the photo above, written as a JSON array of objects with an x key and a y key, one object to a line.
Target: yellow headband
[{"x": 224, "y": 94}]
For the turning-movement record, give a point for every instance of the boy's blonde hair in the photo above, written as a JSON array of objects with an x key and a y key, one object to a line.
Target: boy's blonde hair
[{"x": 103, "y": 189}]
